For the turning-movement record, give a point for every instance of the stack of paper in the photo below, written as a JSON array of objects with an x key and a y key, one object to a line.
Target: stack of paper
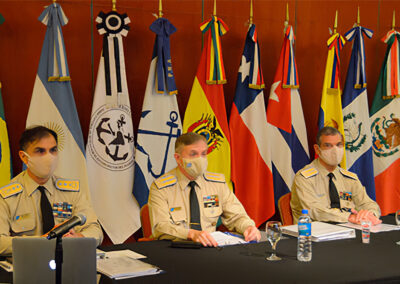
[
  {"x": 124, "y": 264},
  {"x": 227, "y": 239},
  {"x": 323, "y": 232}
]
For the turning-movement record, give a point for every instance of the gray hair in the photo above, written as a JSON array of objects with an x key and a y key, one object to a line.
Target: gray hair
[{"x": 327, "y": 131}]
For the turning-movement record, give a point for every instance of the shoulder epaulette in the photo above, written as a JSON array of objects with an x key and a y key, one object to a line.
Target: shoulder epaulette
[
  {"x": 165, "y": 180},
  {"x": 215, "y": 177},
  {"x": 67, "y": 184},
  {"x": 348, "y": 174},
  {"x": 10, "y": 190},
  {"x": 310, "y": 172}
]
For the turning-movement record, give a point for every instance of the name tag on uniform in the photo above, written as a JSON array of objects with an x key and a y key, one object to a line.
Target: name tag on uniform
[
  {"x": 175, "y": 209},
  {"x": 62, "y": 210},
  {"x": 22, "y": 217},
  {"x": 210, "y": 201},
  {"x": 346, "y": 196}
]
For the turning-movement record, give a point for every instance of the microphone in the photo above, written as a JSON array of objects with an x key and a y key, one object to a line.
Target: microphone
[{"x": 64, "y": 227}]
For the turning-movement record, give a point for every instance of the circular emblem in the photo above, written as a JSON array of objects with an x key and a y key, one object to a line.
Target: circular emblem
[
  {"x": 385, "y": 136},
  {"x": 60, "y": 134},
  {"x": 112, "y": 23},
  {"x": 355, "y": 137},
  {"x": 110, "y": 140}
]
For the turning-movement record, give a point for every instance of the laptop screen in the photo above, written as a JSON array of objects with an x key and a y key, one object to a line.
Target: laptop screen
[{"x": 34, "y": 260}]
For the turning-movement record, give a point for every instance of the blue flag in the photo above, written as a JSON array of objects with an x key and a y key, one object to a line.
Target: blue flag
[{"x": 358, "y": 139}]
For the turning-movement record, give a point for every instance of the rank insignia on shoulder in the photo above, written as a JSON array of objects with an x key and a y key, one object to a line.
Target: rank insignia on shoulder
[
  {"x": 67, "y": 185},
  {"x": 10, "y": 190},
  {"x": 215, "y": 177},
  {"x": 310, "y": 172},
  {"x": 165, "y": 181},
  {"x": 348, "y": 174}
]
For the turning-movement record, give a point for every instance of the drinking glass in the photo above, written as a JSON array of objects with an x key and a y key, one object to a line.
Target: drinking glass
[
  {"x": 397, "y": 216},
  {"x": 274, "y": 234}
]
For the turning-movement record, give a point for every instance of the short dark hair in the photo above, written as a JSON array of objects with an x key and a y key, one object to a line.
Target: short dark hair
[
  {"x": 188, "y": 139},
  {"x": 327, "y": 131},
  {"x": 33, "y": 134}
]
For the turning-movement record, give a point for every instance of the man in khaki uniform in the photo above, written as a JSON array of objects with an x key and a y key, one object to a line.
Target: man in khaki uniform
[
  {"x": 169, "y": 199},
  {"x": 311, "y": 186},
  {"x": 20, "y": 201}
]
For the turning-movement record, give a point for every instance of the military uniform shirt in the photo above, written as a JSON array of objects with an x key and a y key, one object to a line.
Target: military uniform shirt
[
  {"x": 20, "y": 213},
  {"x": 310, "y": 191},
  {"x": 169, "y": 205}
]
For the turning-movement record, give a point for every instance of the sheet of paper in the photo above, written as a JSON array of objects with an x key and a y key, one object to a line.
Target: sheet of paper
[
  {"x": 226, "y": 239},
  {"x": 374, "y": 229},
  {"x": 6, "y": 266},
  {"x": 125, "y": 252}
]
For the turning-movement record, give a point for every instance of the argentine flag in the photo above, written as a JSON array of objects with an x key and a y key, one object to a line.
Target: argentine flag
[
  {"x": 160, "y": 122},
  {"x": 53, "y": 105}
]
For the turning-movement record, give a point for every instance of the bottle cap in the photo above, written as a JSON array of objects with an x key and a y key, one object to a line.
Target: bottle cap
[{"x": 304, "y": 211}]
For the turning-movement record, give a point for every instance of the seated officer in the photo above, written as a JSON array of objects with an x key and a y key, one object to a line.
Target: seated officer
[
  {"x": 186, "y": 202},
  {"x": 29, "y": 202},
  {"x": 329, "y": 192}
]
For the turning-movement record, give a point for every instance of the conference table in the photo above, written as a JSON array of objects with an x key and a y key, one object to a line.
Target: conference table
[{"x": 340, "y": 261}]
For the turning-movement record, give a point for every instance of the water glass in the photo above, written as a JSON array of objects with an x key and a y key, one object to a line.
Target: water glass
[
  {"x": 274, "y": 234},
  {"x": 365, "y": 230}
]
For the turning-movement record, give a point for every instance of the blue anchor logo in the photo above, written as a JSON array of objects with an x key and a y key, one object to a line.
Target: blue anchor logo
[{"x": 172, "y": 126}]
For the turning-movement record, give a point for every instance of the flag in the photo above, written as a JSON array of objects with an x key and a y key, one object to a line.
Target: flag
[
  {"x": 287, "y": 131},
  {"x": 330, "y": 113},
  {"x": 160, "y": 122},
  {"x": 385, "y": 127},
  {"x": 205, "y": 113},
  {"x": 251, "y": 156},
  {"x": 110, "y": 146},
  {"x": 5, "y": 156},
  {"x": 356, "y": 121},
  {"x": 52, "y": 103}
]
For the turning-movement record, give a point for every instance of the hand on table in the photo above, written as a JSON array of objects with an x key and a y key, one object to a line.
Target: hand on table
[
  {"x": 356, "y": 217},
  {"x": 252, "y": 234},
  {"x": 72, "y": 234},
  {"x": 202, "y": 237}
]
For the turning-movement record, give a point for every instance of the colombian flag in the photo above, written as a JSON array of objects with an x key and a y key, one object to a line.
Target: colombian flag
[
  {"x": 330, "y": 113},
  {"x": 205, "y": 113},
  {"x": 5, "y": 157}
]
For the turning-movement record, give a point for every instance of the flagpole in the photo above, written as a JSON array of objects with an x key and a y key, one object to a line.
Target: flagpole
[
  {"x": 160, "y": 13},
  {"x": 358, "y": 16},
  {"x": 335, "y": 25},
  {"x": 394, "y": 20},
  {"x": 215, "y": 8},
  {"x": 287, "y": 15},
  {"x": 114, "y": 5},
  {"x": 251, "y": 13}
]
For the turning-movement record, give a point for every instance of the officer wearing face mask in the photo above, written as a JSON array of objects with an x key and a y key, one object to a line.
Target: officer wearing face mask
[
  {"x": 36, "y": 200},
  {"x": 187, "y": 202},
  {"x": 329, "y": 192}
]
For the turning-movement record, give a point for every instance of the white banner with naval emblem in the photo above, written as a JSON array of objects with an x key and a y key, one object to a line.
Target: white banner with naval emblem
[{"x": 110, "y": 146}]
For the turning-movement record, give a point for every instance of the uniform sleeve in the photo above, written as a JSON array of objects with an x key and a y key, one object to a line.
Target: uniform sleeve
[
  {"x": 5, "y": 238},
  {"x": 162, "y": 227},
  {"x": 362, "y": 200},
  {"x": 304, "y": 197},
  {"x": 234, "y": 216},
  {"x": 91, "y": 229}
]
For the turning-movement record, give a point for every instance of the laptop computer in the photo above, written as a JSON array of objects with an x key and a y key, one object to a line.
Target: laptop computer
[{"x": 34, "y": 260}]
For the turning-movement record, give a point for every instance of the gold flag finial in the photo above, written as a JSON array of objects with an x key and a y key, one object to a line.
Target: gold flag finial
[
  {"x": 287, "y": 15},
  {"x": 335, "y": 25},
  {"x": 358, "y": 16},
  {"x": 251, "y": 13},
  {"x": 114, "y": 5},
  {"x": 215, "y": 8},
  {"x": 160, "y": 13},
  {"x": 394, "y": 20}
]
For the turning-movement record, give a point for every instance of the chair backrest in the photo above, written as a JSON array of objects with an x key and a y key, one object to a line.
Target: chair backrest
[
  {"x": 145, "y": 220},
  {"x": 285, "y": 210}
]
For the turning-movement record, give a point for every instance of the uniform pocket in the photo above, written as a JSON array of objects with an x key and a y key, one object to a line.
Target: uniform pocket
[
  {"x": 23, "y": 223},
  {"x": 178, "y": 216}
]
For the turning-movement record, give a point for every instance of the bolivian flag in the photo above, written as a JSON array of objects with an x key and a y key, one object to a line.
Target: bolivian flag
[
  {"x": 205, "y": 113},
  {"x": 5, "y": 157},
  {"x": 330, "y": 113}
]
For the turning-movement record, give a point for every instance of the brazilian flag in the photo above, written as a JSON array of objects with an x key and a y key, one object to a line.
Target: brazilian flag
[{"x": 5, "y": 157}]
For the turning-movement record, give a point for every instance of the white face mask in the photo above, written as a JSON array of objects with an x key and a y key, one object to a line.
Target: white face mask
[
  {"x": 195, "y": 167},
  {"x": 332, "y": 156},
  {"x": 42, "y": 166}
]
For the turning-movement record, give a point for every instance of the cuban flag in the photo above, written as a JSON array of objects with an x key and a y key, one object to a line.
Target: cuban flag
[
  {"x": 287, "y": 131},
  {"x": 356, "y": 120},
  {"x": 110, "y": 146},
  {"x": 52, "y": 103},
  {"x": 160, "y": 122},
  {"x": 249, "y": 136}
]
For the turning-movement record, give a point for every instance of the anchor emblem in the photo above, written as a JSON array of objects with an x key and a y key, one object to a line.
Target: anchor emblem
[{"x": 174, "y": 132}]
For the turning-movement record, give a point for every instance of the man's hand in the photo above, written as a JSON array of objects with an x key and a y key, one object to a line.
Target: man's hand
[
  {"x": 72, "y": 234},
  {"x": 202, "y": 237},
  {"x": 252, "y": 234},
  {"x": 356, "y": 217}
]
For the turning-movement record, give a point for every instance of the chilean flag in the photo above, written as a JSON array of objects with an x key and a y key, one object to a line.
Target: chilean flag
[
  {"x": 250, "y": 149},
  {"x": 287, "y": 131}
]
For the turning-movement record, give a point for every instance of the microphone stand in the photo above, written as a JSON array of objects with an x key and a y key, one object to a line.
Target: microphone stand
[{"x": 59, "y": 259}]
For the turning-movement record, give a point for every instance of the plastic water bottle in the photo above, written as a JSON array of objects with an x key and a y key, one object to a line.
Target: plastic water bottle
[{"x": 304, "y": 252}]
